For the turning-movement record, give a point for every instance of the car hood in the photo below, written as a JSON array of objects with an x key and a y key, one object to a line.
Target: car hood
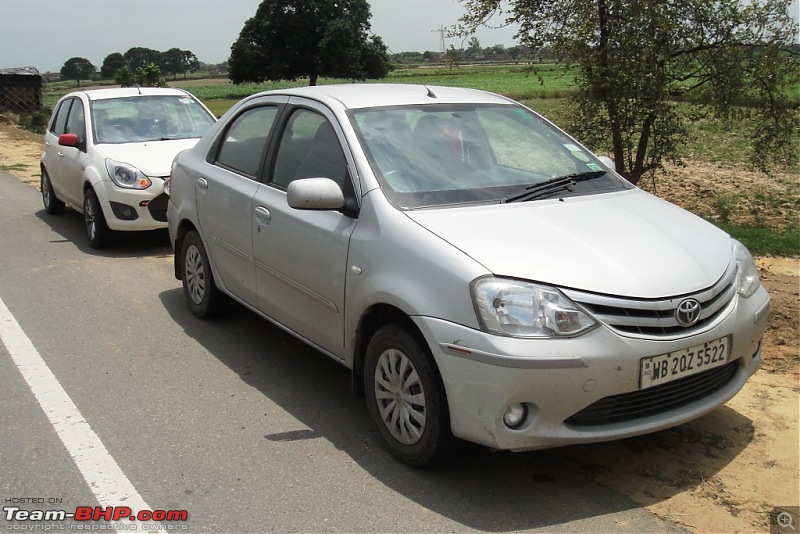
[
  {"x": 153, "y": 158},
  {"x": 628, "y": 243}
]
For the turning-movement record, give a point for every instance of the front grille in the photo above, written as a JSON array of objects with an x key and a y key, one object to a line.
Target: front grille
[
  {"x": 655, "y": 400},
  {"x": 655, "y": 318},
  {"x": 158, "y": 207}
]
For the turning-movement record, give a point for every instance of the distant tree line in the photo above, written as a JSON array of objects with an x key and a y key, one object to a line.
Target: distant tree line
[
  {"x": 148, "y": 63},
  {"x": 472, "y": 53}
]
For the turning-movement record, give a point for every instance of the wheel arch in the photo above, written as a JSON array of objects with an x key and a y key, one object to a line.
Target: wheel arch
[
  {"x": 184, "y": 228},
  {"x": 372, "y": 320}
]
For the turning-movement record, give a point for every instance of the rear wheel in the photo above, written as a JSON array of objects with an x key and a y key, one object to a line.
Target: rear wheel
[
  {"x": 97, "y": 230},
  {"x": 52, "y": 204},
  {"x": 406, "y": 399},
  {"x": 204, "y": 299}
]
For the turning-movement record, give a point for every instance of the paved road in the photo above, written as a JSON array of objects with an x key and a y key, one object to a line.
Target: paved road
[{"x": 231, "y": 420}]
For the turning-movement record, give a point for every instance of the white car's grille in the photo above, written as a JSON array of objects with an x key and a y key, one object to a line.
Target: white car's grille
[{"x": 660, "y": 318}]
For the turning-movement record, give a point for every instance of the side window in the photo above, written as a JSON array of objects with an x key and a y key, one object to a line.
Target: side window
[
  {"x": 309, "y": 148},
  {"x": 59, "y": 124},
  {"x": 76, "y": 122},
  {"x": 244, "y": 142}
]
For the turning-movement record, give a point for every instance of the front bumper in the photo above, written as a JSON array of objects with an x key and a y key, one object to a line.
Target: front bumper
[
  {"x": 484, "y": 374},
  {"x": 129, "y": 209}
]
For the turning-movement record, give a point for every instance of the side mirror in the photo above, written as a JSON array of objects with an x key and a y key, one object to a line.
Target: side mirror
[
  {"x": 68, "y": 139},
  {"x": 608, "y": 162},
  {"x": 315, "y": 194}
]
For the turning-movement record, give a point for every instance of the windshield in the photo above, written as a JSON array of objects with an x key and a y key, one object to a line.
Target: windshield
[
  {"x": 148, "y": 118},
  {"x": 451, "y": 154}
]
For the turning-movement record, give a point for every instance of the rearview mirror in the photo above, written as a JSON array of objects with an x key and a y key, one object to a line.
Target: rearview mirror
[
  {"x": 68, "y": 139},
  {"x": 315, "y": 194}
]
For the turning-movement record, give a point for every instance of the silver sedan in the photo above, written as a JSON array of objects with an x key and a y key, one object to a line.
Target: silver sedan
[{"x": 484, "y": 276}]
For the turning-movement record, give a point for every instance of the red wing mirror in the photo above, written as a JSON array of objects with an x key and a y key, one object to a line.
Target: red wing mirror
[{"x": 68, "y": 139}]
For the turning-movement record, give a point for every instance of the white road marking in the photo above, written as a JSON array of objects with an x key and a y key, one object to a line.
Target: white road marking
[{"x": 101, "y": 472}]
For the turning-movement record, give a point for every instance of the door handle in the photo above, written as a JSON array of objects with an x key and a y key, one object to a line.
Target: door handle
[
  {"x": 263, "y": 216},
  {"x": 202, "y": 183}
]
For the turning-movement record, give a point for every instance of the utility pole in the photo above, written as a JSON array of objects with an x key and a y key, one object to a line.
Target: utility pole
[{"x": 441, "y": 31}]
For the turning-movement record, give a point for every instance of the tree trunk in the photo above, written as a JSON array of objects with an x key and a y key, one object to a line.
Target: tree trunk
[
  {"x": 312, "y": 79},
  {"x": 611, "y": 107}
]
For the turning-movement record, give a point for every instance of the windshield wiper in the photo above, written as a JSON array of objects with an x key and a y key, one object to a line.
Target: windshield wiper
[{"x": 548, "y": 187}]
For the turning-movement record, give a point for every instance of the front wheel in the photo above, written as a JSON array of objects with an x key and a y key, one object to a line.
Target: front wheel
[
  {"x": 97, "y": 229},
  {"x": 52, "y": 204},
  {"x": 204, "y": 298},
  {"x": 406, "y": 399}
]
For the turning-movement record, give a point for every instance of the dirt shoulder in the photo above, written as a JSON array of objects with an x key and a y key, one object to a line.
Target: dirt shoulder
[{"x": 726, "y": 471}]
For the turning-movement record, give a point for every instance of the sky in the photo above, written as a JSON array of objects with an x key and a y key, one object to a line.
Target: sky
[{"x": 45, "y": 33}]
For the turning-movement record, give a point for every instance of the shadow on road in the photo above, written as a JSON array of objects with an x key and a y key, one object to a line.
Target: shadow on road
[
  {"x": 490, "y": 491},
  {"x": 69, "y": 226}
]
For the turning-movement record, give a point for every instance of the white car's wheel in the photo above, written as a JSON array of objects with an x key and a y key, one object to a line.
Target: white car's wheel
[
  {"x": 97, "y": 230},
  {"x": 52, "y": 204}
]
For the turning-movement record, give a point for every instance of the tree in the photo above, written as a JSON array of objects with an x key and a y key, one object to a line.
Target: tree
[
  {"x": 290, "y": 39},
  {"x": 473, "y": 48},
  {"x": 141, "y": 57},
  {"x": 111, "y": 64},
  {"x": 179, "y": 61},
  {"x": 77, "y": 68},
  {"x": 635, "y": 58},
  {"x": 145, "y": 76},
  {"x": 453, "y": 57}
]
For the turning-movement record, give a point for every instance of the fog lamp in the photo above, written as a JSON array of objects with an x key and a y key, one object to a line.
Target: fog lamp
[{"x": 515, "y": 415}]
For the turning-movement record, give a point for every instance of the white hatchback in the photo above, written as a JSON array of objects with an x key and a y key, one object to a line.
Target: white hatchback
[{"x": 107, "y": 153}]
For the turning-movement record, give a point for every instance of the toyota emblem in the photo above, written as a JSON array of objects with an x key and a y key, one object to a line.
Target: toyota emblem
[{"x": 688, "y": 312}]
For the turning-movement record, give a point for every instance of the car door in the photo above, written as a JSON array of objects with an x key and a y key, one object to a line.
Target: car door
[
  {"x": 73, "y": 159},
  {"x": 53, "y": 152},
  {"x": 224, "y": 194},
  {"x": 301, "y": 255}
]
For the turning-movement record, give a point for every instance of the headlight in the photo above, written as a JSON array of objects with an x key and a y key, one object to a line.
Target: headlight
[
  {"x": 748, "y": 272},
  {"x": 523, "y": 309},
  {"x": 167, "y": 185},
  {"x": 127, "y": 176}
]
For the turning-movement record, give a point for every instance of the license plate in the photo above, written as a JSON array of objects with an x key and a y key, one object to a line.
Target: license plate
[{"x": 665, "y": 368}]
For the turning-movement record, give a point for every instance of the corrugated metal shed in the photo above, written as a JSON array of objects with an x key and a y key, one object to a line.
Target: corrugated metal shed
[{"x": 21, "y": 89}]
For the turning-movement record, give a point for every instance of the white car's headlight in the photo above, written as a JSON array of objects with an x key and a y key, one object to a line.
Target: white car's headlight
[
  {"x": 523, "y": 309},
  {"x": 127, "y": 176},
  {"x": 748, "y": 272}
]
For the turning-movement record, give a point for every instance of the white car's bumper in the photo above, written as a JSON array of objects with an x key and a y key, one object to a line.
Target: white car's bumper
[{"x": 130, "y": 209}]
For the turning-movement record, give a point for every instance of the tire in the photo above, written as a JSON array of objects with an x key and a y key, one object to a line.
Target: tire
[
  {"x": 97, "y": 229},
  {"x": 406, "y": 399},
  {"x": 52, "y": 204},
  {"x": 204, "y": 298}
]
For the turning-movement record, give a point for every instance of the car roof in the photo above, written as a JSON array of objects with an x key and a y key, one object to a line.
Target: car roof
[
  {"x": 127, "y": 92},
  {"x": 368, "y": 95}
]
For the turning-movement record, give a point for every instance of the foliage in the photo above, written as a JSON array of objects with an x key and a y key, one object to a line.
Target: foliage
[
  {"x": 145, "y": 76},
  {"x": 77, "y": 68},
  {"x": 291, "y": 39},
  {"x": 635, "y": 58},
  {"x": 453, "y": 57},
  {"x": 141, "y": 57},
  {"x": 111, "y": 64},
  {"x": 179, "y": 61}
]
